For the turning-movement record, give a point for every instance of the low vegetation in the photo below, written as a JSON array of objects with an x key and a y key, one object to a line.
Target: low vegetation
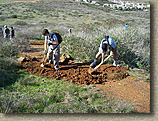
[
  {"x": 31, "y": 94},
  {"x": 9, "y": 52},
  {"x": 24, "y": 93}
]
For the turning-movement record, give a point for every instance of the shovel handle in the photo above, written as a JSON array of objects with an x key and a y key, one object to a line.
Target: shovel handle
[
  {"x": 103, "y": 61},
  {"x": 45, "y": 54}
]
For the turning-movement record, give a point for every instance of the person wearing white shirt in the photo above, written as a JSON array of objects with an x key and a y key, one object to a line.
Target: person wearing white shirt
[
  {"x": 106, "y": 43},
  {"x": 51, "y": 41}
]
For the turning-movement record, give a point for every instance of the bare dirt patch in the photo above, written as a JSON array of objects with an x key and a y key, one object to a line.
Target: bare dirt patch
[
  {"x": 115, "y": 81},
  {"x": 77, "y": 73}
]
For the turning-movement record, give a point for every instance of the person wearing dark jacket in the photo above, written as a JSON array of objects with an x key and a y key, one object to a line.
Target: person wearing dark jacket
[
  {"x": 12, "y": 34},
  {"x": 6, "y": 32}
]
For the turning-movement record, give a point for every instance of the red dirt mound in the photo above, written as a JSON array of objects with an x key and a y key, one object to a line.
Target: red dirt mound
[
  {"x": 78, "y": 73},
  {"x": 36, "y": 43}
]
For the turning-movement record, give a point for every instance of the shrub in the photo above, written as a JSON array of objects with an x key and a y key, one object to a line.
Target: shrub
[
  {"x": 3, "y": 18},
  {"x": 21, "y": 23},
  {"x": 13, "y": 16},
  {"x": 133, "y": 46},
  {"x": 9, "y": 52},
  {"x": 78, "y": 48}
]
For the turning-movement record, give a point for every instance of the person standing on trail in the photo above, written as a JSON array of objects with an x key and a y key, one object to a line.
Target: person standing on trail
[
  {"x": 106, "y": 43},
  {"x": 70, "y": 31},
  {"x": 53, "y": 55},
  {"x": 126, "y": 26},
  {"x": 12, "y": 34},
  {"x": 1, "y": 32},
  {"x": 6, "y": 32}
]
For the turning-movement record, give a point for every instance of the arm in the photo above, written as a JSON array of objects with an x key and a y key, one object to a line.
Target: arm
[
  {"x": 3, "y": 32},
  {"x": 101, "y": 44},
  {"x": 45, "y": 44},
  {"x": 55, "y": 40},
  {"x": 102, "y": 57}
]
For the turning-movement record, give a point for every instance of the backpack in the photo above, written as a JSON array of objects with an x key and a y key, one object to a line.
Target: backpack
[
  {"x": 7, "y": 31},
  {"x": 58, "y": 36}
]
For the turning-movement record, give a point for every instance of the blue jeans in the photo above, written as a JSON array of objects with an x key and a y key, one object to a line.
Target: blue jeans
[{"x": 6, "y": 36}]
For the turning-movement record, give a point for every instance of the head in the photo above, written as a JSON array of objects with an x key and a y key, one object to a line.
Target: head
[
  {"x": 12, "y": 28},
  {"x": 105, "y": 46},
  {"x": 45, "y": 32},
  {"x": 5, "y": 26},
  {"x": 106, "y": 37}
]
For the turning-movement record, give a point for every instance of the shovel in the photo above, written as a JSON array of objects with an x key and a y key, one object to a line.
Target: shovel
[
  {"x": 42, "y": 65},
  {"x": 91, "y": 70},
  {"x": 45, "y": 55}
]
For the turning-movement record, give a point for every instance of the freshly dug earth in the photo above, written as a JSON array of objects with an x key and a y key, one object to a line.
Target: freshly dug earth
[
  {"x": 77, "y": 73},
  {"x": 115, "y": 81}
]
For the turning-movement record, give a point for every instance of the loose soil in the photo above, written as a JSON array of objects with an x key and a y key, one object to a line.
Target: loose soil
[{"x": 115, "y": 81}]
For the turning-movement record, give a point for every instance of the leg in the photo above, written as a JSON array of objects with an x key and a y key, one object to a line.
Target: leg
[
  {"x": 95, "y": 60},
  {"x": 98, "y": 55},
  {"x": 50, "y": 55},
  {"x": 115, "y": 57},
  {"x": 56, "y": 57}
]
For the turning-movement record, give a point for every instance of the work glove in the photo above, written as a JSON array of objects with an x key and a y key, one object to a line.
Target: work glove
[{"x": 111, "y": 53}]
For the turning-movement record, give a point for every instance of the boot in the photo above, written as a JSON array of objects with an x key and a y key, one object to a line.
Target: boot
[
  {"x": 94, "y": 63},
  {"x": 115, "y": 63}
]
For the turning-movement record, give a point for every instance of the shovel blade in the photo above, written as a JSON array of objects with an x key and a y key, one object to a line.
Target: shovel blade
[
  {"x": 42, "y": 65},
  {"x": 91, "y": 71}
]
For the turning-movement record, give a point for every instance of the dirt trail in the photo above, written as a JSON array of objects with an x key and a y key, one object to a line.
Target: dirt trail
[{"x": 115, "y": 81}]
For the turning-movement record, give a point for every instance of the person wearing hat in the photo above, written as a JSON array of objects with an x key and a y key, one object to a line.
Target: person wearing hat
[
  {"x": 53, "y": 55},
  {"x": 6, "y": 32},
  {"x": 106, "y": 43}
]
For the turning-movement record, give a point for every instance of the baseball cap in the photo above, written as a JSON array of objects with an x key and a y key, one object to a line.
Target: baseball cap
[{"x": 5, "y": 26}]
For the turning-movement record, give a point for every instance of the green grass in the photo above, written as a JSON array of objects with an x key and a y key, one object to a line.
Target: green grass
[
  {"x": 3, "y": 1},
  {"x": 26, "y": 93}
]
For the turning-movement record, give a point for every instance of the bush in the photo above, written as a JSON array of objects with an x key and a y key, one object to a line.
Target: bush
[
  {"x": 8, "y": 48},
  {"x": 21, "y": 23},
  {"x": 13, "y": 16},
  {"x": 3, "y": 18},
  {"x": 78, "y": 48},
  {"x": 133, "y": 46},
  {"x": 9, "y": 52}
]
